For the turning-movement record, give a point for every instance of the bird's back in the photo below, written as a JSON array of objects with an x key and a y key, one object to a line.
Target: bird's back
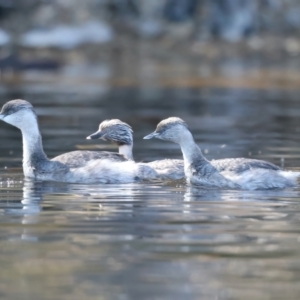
[
  {"x": 78, "y": 159},
  {"x": 240, "y": 165},
  {"x": 168, "y": 168}
]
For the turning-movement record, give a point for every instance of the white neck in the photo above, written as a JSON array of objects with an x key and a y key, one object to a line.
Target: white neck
[
  {"x": 191, "y": 152},
  {"x": 126, "y": 150},
  {"x": 32, "y": 146}
]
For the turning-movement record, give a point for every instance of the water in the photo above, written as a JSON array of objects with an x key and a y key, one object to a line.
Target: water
[{"x": 167, "y": 241}]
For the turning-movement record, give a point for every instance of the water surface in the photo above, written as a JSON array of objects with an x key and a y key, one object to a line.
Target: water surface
[{"x": 144, "y": 241}]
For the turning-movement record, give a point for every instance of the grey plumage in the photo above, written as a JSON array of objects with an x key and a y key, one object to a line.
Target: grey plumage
[
  {"x": 116, "y": 131},
  {"x": 15, "y": 105},
  {"x": 237, "y": 165},
  {"x": 240, "y": 165},
  {"x": 77, "y": 159},
  {"x": 225, "y": 173},
  {"x": 166, "y": 124},
  {"x": 76, "y": 166},
  {"x": 168, "y": 168}
]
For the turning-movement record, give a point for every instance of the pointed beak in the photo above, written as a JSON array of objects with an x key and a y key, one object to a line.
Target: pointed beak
[
  {"x": 96, "y": 135},
  {"x": 151, "y": 136}
]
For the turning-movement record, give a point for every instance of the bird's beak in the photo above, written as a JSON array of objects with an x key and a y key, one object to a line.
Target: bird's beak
[
  {"x": 96, "y": 135},
  {"x": 2, "y": 116},
  {"x": 151, "y": 136}
]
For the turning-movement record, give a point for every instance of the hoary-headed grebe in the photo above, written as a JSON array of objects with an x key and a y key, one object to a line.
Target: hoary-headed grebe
[
  {"x": 224, "y": 173},
  {"x": 120, "y": 133},
  {"x": 76, "y": 166}
]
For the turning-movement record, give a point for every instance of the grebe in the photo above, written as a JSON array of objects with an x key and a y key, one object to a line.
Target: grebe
[
  {"x": 241, "y": 173},
  {"x": 75, "y": 166},
  {"x": 120, "y": 133}
]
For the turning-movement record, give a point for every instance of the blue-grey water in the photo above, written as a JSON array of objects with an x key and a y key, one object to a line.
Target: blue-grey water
[{"x": 144, "y": 241}]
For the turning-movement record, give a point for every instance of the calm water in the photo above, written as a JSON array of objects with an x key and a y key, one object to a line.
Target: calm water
[{"x": 63, "y": 241}]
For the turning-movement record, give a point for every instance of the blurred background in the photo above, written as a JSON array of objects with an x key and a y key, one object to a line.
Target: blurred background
[
  {"x": 218, "y": 64},
  {"x": 187, "y": 43}
]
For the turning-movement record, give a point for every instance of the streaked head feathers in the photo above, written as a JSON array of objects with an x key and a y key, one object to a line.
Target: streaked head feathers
[
  {"x": 168, "y": 123},
  {"x": 114, "y": 131},
  {"x": 14, "y": 106},
  {"x": 169, "y": 130}
]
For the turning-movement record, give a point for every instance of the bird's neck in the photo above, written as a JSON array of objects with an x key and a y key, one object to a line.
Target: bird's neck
[
  {"x": 191, "y": 152},
  {"x": 33, "y": 153},
  {"x": 126, "y": 150}
]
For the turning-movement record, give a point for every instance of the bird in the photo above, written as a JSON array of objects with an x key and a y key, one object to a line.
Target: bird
[
  {"x": 232, "y": 173},
  {"x": 71, "y": 167},
  {"x": 120, "y": 133}
]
